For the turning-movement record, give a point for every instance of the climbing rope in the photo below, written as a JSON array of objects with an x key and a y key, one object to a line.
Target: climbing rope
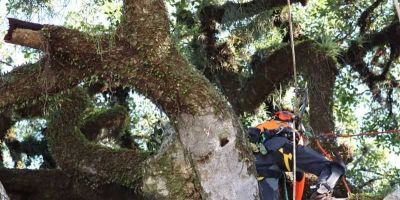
[
  {"x": 326, "y": 135},
  {"x": 295, "y": 83}
]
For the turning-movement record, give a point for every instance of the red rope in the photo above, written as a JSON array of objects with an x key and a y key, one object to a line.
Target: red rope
[{"x": 371, "y": 133}]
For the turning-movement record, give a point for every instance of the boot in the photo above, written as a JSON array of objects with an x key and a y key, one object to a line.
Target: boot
[
  {"x": 326, "y": 182},
  {"x": 322, "y": 192},
  {"x": 325, "y": 196}
]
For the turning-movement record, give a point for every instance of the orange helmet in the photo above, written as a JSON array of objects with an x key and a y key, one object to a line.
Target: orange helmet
[{"x": 285, "y": 116}]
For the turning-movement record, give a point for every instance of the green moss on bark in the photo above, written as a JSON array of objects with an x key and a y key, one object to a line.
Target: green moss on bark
[
  {"x": 115, "y": 120},
  {"x": 72, "y": 151},
  {"x": 169, "y": 174}
]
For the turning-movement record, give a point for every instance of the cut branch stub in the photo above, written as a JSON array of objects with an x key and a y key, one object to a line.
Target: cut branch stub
[{"x": 24, "y": 33}]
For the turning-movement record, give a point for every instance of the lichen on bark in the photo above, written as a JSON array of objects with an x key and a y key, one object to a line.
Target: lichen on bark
[
  {"x": 169, "y": 174},
  {"x": 72, "y": 151}
]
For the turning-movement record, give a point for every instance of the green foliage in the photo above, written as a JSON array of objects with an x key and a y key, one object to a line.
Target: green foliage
[
  {"x": 30, "y": 128},
  {"x": 96, "y": 18},
  {"x": 253, "y": 119},
  {"x": 146, "y": 123},
  {"x": 30, "y": 7},
  {"x": 331, "y": 23},
  {"x": 346, "y": 101},
  {"x": 327, "y": 46},
  {"x": 379, "y": 119},
  {"x": 371, "y": 172}
]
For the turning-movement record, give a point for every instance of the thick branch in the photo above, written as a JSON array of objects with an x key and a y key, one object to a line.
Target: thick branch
[
  {"x": 52, "y": 38},
  {"x": 270, "y": 71},
  {"x": 24, "y": 33},
  {"x": 230, "y": 11},
  {"x": 219, "y": 64},
  {"x": 57, "y": 184},
  {"x": 388, "y": 35},
  {"x": 277, "y": 68},
  {"x": 365, "y": 18},
  {"x": 5, "y": 123},
  {"x": 107, "y": 124},
  {"x": 146, "y": 31},
  {"x": 354, "y": 55},
  {"x": 73, "y": 152},
  {"x": 32, "y": 81},
  {"x": 71, "y": 57},
  {"x": 74, "y": 56},
  {"x": 166, "y": 77}
]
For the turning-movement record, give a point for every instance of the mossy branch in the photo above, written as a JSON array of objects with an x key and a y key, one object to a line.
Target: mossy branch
[
  {"x": 230, "y": 12},
  {"x": 110, "y": 123},
  {"x": 72, "y": 151},
  {"x": 58, "y": 184}
]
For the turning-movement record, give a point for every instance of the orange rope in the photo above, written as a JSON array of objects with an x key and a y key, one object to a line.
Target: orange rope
[
  {"x": 326, "y": 154},
  {"x": 329, "y": 157},
  {"x": 333, "y": 135},
  {"x": 346, "y": 186}
]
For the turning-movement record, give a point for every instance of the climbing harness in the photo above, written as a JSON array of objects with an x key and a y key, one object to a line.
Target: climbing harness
[{"x": 304, "y": 105}]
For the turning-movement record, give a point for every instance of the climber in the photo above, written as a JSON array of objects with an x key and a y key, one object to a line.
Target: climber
[{"x": 272, "y": 145}]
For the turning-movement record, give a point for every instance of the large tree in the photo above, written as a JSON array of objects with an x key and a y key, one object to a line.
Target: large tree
[{"x": 200, "y": 85}]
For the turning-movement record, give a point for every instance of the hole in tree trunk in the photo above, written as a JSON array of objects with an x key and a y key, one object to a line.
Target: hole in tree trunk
[{"x": 223, "y": 141}]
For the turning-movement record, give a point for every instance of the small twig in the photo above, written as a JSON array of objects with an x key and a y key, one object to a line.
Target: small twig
[{"x": 6, "y": 63}]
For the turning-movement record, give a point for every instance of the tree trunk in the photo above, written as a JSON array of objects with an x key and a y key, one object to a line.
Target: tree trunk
[
  {"x": 217, "y": 147},
  {"x": 3, "y": 193},
  {"x": 214, "y": 161}
]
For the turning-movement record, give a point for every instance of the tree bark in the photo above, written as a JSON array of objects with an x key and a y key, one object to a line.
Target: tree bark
[
  {"x": 3, "y": 192},
  {"x": 145, "y": 58},
  {"x": 58, "y": 184}
]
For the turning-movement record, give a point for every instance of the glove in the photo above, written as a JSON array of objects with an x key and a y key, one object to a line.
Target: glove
[
  {"x": 267, "y": 135},
  {"x": 254, "y": 135}
]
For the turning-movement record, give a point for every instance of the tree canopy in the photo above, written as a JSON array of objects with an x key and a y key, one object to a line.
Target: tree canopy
[{"x": 151, "y": 99}]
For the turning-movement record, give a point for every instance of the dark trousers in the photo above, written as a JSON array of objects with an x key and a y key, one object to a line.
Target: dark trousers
[{"x": 280, "y": 159}]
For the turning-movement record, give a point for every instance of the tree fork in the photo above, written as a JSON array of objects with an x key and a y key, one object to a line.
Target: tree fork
[{"x": 147, "y": 60}]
